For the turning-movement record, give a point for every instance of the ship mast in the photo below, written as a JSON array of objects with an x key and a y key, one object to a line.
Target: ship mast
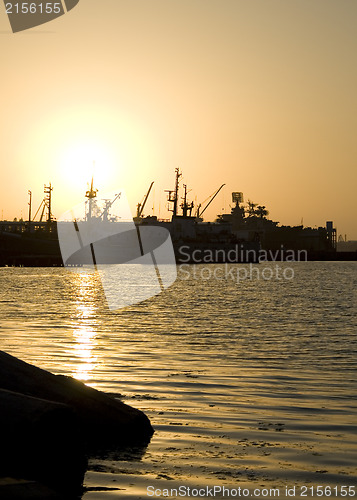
[
  {"x": 30, "y": 208},
  {"x": 173, "y": 195},
  {"x": 91, "y": 194},
  {"x": 48, "y": 202},
  {"x": 186, "y": 207}
]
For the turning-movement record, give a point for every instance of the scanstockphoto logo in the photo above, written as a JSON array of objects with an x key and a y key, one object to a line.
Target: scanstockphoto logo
[
  {"x": 134, "y": 262},
  {"x": 25, "y": 15}
]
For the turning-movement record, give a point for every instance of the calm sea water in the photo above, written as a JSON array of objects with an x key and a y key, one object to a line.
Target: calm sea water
[{"x": 244, "y": 382}]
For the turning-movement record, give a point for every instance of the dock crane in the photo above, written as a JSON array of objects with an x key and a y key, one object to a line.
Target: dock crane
[
  {"x": 45, "y": 203},
  {"x": 140, "y": 206},
  {"x": 210, "y": 198},
  {"x": 108, "y": 204}
]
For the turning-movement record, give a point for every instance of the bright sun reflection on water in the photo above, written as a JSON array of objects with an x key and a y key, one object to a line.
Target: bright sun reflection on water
[{"x": 85, "y": 331}]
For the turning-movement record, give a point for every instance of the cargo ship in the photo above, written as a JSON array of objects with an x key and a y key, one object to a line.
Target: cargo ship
[{"x": 245, "y": 235}]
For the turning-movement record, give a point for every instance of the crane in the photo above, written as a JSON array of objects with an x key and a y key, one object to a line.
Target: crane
[
  {"x": 46, "y": 203},
  {"x": 210, "y": 198},
  {"x": 108, "y": 205},
  {"x": 140, "y": 206}
]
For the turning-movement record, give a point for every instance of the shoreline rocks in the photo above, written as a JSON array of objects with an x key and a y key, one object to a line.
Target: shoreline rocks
[{"x": 50, "y": 422}]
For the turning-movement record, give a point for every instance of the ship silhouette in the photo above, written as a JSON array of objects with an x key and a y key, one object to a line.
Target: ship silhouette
[{"x": 238, "y": 237}]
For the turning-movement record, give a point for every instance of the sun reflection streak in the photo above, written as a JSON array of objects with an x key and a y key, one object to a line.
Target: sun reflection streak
[{"x": 85, "y": 326}]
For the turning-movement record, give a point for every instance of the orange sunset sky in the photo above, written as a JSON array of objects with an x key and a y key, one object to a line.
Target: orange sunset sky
[{"x": 260, "y": 95}]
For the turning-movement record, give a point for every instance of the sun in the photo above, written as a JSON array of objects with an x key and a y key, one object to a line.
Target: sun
[{"x": 82, "y": 160}]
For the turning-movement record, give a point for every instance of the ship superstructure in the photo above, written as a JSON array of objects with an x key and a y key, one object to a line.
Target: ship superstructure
[{"x": 242, "y": 233}]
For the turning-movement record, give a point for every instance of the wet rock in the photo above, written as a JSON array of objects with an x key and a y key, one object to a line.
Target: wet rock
[
  {"x": 49, "y": 423},
  {"x": 20, "y": 489},
  {"x": 101, "y": 417},
  {"x": 41, "y": 440}
]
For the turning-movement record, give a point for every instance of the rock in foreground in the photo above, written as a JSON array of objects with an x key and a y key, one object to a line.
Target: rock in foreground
[
  {"x": 20, "y": 489},
  {"x": 48, "y": 422},
  {"x": 41, "y": 440},
  {"x": 101, "y": 417}
]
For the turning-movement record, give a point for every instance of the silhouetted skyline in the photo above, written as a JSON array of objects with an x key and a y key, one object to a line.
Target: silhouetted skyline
[{"x": 257, "y": 95}]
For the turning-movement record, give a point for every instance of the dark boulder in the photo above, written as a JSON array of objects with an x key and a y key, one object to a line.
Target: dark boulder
[
  {"x": 101, "y": 417},
  {"x": 49, "y": 423},
  {"x": 20, "y": 489},
  {"x": 41, "y": 440}
]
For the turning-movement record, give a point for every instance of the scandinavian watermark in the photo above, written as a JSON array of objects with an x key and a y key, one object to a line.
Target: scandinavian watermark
[
  {"x": 134, "y": 263},
  {"x": 236, "y": 273},
  {"x": 239, "y": 253},
  {"x": 253, "y": 264}
]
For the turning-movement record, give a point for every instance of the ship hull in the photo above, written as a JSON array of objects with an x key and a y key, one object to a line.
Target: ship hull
[{"x": 42, "y": 249}]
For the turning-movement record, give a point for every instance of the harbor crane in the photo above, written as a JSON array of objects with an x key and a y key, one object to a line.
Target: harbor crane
[
  {"x": 140, "y": 206},
  {"x": 210, "y": 198},
  {"x": 45, "y": 203},
  {"x": 108, "y": 204}
]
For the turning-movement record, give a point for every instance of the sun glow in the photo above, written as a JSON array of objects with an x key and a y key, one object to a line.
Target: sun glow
[{"x": 83, "y": 160}]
